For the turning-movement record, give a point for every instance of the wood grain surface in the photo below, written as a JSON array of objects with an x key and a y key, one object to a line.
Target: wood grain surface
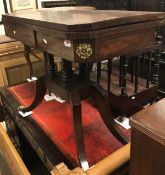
[
  {"x": 81, "y": 20},
  {"x": 15, "y": 162}
]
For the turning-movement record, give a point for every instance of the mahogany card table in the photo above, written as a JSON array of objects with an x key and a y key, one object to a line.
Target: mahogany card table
[{"x": 81, "y": 36}]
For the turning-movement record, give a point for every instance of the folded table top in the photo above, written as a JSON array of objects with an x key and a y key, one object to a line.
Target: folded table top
[
  {"x": 81, "y": 34},
  {"x": 81, "y": 20}
]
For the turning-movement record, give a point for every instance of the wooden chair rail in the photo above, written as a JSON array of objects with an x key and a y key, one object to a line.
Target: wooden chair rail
[
  {"x": 104, "y": 167},
  {"x": 15, "y": 162}
]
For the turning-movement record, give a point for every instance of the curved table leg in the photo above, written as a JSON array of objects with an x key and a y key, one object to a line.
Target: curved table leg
[
  {"x": 105, "y": 112},
  {"x": 27, "y": 51},
  {"x": 77, "y": 117},
  {"x": 40, "y": 93}
]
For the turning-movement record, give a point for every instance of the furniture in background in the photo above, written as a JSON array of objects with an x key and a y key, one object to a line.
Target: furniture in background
[
  {"x": 106, "y": 4},
  {"x": 148, "y": 141},
  {"x": 148, "y": 5},
  {"x": 15, "y": 163},
  {"x": 154, "y": 5},
  {"x": 57, "y": 3},
  {"x": 17, "y": 5},
  {"x": 133, "y": 81},
  {"x": 13, "y": 66}
]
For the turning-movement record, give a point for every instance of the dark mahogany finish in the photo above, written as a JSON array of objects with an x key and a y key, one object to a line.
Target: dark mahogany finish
[
  {"x": 102, "y": 33},
  {"x": 83, "y": 36}
]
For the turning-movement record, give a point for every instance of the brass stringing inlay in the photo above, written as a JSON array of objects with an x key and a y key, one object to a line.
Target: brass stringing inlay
[{"x": 84, "y": 50}]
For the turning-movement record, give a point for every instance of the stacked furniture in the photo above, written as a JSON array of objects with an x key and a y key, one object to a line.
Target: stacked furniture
[
  {"x": 13, "y": 66},
  {"x": 86, "y": 37}
]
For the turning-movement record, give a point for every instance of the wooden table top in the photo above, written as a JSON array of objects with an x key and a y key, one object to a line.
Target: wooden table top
[
  {"x": 80, "y": 34},
  {"x": 76, "y": 19}
]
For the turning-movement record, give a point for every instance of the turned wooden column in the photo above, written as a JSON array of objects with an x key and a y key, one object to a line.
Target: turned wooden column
[
  {"x": 85, "y": 70},
  {"x": 66, "y": 74},
  {"x": 136, "y": 73},
  {"x": 50, "y": 65},
  {"x": 109, "y": 74},
  {"x": 98, "y": 72},
  {"x": 149, "y": 71},
  {"x": 156, "y": 67},
  {"x": 123, "y": 74}
]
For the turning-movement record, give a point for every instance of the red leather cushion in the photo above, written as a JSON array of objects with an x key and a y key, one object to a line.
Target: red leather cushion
[{"x": 56, "y": 120}]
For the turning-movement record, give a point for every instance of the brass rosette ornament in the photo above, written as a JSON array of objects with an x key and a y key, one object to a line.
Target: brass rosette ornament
[{"x": 84, "y": 50}]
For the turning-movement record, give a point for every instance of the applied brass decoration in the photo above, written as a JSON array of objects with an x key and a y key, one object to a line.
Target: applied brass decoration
[{"x": 84, "y": 50}]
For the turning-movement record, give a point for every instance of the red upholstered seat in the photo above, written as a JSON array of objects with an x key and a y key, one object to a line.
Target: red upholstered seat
[{"x": 56, "y": 120}]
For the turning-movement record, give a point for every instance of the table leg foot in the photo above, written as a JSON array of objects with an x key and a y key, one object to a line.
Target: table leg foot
[{"x": 104, "y": 109}]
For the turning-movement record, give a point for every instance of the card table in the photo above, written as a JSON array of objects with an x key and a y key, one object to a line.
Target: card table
[{"x": 81, "y": 36}]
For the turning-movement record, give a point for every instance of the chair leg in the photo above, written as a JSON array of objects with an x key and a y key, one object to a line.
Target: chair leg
[
  {"x": 102, "y": 104},
  {"x": 77, "y": 117}
]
